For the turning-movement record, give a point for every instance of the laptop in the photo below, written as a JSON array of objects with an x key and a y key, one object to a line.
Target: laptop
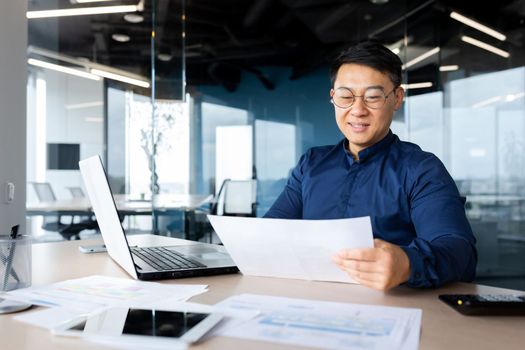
[{"x": 189, "y": 259}]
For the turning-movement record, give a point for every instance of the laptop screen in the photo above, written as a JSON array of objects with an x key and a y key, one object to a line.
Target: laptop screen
[{"x": 99, "y": 193}]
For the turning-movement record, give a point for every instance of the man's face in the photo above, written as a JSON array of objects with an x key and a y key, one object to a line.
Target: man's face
[{"x": 362, "y": 125}]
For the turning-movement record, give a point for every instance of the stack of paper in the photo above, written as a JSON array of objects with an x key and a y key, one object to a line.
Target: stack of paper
[
  {"x": 326, "y": 325},
  {"x": 300, "y": 249}
]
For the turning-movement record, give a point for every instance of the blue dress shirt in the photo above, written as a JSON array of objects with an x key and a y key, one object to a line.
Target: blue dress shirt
[{"x": 408, "y": 194}]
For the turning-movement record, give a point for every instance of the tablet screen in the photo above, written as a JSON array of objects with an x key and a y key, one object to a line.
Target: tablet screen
[{"x": 160, "y": 323}]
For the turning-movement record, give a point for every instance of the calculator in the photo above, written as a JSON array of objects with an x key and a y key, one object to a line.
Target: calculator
[{"x": 486, "y": 304}]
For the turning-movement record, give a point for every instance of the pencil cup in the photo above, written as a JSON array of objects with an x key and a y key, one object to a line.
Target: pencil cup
[{"x": 15, "y": 262}]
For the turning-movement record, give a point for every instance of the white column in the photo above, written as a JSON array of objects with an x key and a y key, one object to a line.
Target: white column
[{"x": 13, "y": 76}]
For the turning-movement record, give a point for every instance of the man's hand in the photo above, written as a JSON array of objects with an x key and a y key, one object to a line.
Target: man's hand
[{"x": 382, "y": 267}]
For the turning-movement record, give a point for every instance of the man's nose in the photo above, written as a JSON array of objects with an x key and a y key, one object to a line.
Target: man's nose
[{"x": 358, "y": 108}]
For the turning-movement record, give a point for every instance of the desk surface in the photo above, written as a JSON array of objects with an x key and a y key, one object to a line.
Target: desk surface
[{"x": 442, "y": 327}]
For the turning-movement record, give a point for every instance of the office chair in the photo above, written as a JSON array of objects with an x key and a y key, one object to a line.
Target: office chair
[
  {"x": 88, "y": 221},
  {"x": 235, "y": 198},
  {"x": 76, "y": 192},
  {"x": 44, "y": 193}
]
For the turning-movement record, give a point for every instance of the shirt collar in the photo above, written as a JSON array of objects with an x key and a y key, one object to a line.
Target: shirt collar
[{"x": 370, "y": 151}]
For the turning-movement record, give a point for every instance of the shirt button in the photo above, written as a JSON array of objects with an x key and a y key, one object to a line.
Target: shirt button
[{"x": 418, "y": 275}]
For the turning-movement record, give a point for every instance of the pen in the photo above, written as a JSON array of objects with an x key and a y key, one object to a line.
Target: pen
[
  {"x": 9, "y": 263},
  {"x": 14, "y": 231},
  {"x": 4, "y": 262}
]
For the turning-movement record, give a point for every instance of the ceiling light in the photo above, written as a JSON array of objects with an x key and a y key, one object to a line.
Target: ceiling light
[
  {"x": 133, "y": 18},
  {"x": 519, "y": 95},
  {"x": 485, "y": 46},
  {"x": 397, "y": 46},
  {"x": 509, "y": 98},
  {"x": 514, "y": 97},
  {"x": 421, "y": 58},
  {"x": 422, "y": 85},
  {"x": 487, "y": 102},
  {"x": 97, "y": 70},
  {"x": 492, "y": 100},
  {"x": 477, "y": 152},
  {"x": 120, "y": 77},
  {"x": 85, "y": 104},
  {"x": 165, "y": 57},
  {"x": 121, "y": 38},
  {"x": 62, "y": 69},
  {"x": 94, "y": 119},
  {"x": 478, "y": 26},
  {"x": 379, "y": 2},
  {"x": 81, "y": 11},
  {"x": 449, "y": 68}
]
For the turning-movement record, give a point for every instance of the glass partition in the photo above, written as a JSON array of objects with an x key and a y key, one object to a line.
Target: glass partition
[
  {"x": 471, "y": 114},
  {"x": 95, "y": 71}
]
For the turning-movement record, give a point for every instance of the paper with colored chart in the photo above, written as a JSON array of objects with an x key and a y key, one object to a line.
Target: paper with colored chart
[
  {"x": 90, "y": 293},
  {"x": 325, "y": 325}
]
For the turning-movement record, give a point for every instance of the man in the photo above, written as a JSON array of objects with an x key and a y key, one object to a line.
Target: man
[{"x": 422, "y": 236}]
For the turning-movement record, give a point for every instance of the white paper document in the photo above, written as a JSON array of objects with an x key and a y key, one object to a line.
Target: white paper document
[
  {"x": 90, "y": 293},
  {"x": 286, "y": 248},
  {"x": 48, "y": 318},
  {"x": 325, "y": 325}
]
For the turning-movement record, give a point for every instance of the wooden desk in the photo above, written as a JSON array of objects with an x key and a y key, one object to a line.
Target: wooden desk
[{"x": 442, "y": 327}]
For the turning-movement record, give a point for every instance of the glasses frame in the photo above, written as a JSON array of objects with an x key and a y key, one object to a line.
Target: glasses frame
[{"x": 385, "y": 97}]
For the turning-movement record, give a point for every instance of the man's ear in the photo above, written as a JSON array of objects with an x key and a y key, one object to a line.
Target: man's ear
[{"x": 400, "y": 95}]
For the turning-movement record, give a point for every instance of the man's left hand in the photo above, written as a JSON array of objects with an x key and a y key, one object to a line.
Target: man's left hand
[{"x": 383, "y": 267}]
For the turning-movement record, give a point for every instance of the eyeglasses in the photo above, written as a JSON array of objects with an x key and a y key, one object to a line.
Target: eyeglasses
[{"x": 373, "y": 98}]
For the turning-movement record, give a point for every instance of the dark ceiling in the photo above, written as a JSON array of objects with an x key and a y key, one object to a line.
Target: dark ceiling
[{"x": 227, "y": 37}]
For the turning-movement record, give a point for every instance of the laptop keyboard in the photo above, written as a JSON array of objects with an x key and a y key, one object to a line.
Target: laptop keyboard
[{"x": 165, "y": 259}]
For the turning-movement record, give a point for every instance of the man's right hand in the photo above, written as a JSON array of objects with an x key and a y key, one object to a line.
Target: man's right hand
[{"x": 383, "y": 267}]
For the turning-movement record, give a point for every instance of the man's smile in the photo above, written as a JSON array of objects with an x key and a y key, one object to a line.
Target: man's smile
[{"x": 358, "y": 126}]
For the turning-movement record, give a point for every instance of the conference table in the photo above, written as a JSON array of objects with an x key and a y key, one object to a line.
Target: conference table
[
  {"x": 441, "y": 327},
  {"x": 128, "y": 205}
]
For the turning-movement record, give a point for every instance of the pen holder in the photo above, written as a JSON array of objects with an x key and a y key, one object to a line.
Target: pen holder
[{"x": 15, "y": 262}]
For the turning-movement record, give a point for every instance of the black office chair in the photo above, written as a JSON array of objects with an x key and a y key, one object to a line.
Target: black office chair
[
  {"x": 44, "y": 193},
  {"x": 88, "y": 221}
]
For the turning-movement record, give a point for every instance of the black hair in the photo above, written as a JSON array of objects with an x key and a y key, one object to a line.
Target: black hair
[{"x": 370, "y": 54}]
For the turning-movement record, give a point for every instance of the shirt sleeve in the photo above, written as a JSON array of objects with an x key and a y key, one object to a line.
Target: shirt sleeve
[
  {"x": 444, "y": 247},
  {"x": 289, "y": 204}
]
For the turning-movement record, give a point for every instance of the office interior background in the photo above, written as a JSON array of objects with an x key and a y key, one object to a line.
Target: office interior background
[{"x": 177, "y": 96}]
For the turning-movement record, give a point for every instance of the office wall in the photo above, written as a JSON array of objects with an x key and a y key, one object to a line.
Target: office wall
[
  {"x": 13, "y": 44},
  {"x": 304, "y": 102},
  {"x": 294, "y": 116},
  {"x": 71, "y": 112}
]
